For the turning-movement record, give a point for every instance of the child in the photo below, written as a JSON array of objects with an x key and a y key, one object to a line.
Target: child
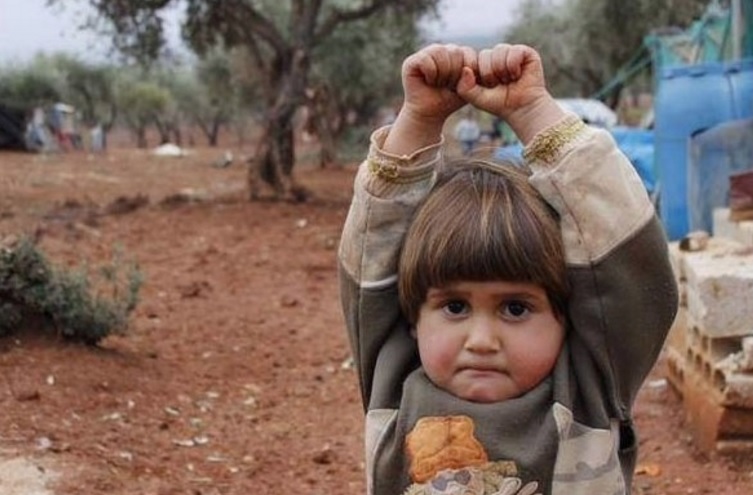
[{"x": 500, "y": 345}]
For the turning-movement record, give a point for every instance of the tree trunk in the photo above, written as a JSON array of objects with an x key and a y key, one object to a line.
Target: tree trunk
[
  {"x": 274, "y": 159},
  {"x": 214, "y": 133},
  {"x": 163, "y": 130},
  {"x": 321, "y": 123},
  {"x": 177, "y": 134},
  {"x": 141, "y": 138},
  {"x": 328, "y": 151},
  {"x": 211, "y": 129}
]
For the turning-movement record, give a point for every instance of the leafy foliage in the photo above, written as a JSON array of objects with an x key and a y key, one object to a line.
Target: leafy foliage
[
  {"x": 68, "y": 301},
  {"x": 36, "y": 84},
  {"x": 91, "y": 89},
  {"x": 584, "y": 43},
  {"x": 279, "y": 37},
  {"x": 367, "y": 74},
  {"x": 218, "y": 100},
  {"x": 142, "y": 102}
]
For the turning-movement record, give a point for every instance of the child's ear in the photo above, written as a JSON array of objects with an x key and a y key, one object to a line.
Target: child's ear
[{"x": 413, "y": 332}]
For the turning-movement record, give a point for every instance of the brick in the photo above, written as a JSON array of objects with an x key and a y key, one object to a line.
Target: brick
[
  {"x": 719, "y": 288},
  {"x": 747, "y": 354},
  {"x": 676, "y": 260},
  {"x": 741, "y": 232},
  {"x": 718, "y": 361},
  {"x": 716, "y": 428},
  {"x": 676, "y": 370},
  {"x": 675, "y": 351},
  {"x": 678, "y": 338},
  {"x": 713, "y": 348},
  {"x": 739, "y": 360},
  {"x": 679, "y": 259},
  {"x": 737, "y": 389}
]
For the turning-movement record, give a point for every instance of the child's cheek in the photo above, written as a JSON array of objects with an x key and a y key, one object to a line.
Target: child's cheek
[{"x": 438, "y": 354}]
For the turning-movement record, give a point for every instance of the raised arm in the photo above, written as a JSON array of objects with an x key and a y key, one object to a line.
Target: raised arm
[
  {"x": 390, "y": 183},
  {"x": 623, "y": 294}
]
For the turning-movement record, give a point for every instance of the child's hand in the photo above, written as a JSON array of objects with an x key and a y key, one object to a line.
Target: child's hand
[
  {"x": 510, "y": 83},
  {"x": 430, "y": 77}
]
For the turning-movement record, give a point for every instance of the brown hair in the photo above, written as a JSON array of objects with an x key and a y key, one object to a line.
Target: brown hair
[{"x": 482, "y": 221}]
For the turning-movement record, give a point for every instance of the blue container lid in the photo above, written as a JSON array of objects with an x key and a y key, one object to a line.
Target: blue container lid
[{"x": 707, "y": 68}]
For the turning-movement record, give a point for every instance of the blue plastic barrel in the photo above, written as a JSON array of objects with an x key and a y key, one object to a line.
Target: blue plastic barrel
[
  {"x": 716, "y": 154},
  {"x": 689, "y": 100}
]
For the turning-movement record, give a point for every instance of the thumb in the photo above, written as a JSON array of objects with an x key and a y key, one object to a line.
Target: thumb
[
  {"x": 469, "y": 90},
  {"x": 467, "y": 84}
]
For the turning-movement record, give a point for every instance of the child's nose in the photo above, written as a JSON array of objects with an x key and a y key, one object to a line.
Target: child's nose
[{"x": 483, "y": 335}]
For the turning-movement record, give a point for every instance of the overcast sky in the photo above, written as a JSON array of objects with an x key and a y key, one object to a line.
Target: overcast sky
[{"x": 28, "y": 26}]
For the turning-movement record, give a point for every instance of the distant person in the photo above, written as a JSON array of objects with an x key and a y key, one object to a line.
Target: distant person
[
  {"x": 96, "y": 138},
  {"x": 37, "y": 138},
  {"x": 467, "y": 132},
  {"x": 502, "y": 318},
  {"x": 62, "y": 122},
  {"x": 55, "y": 123}
]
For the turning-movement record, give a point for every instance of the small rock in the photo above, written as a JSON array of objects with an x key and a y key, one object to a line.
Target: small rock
[
  {"x": 44, "y": 443},
  {"x": 289, "y": 301},
  {"x": 185, "y": 443},
  {"x": 172, "y": 411},
  {"x": 324, "y": 456},
  {"x": 28, "y": 395}
]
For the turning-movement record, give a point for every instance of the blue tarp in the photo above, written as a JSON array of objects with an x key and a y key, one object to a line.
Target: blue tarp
[{"x": 636, "y": 143}]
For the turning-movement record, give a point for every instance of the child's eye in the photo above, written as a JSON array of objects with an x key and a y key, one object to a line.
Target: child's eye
[
  {"x": 516, "y": 310},
  {"x": 455, "y": 307}
]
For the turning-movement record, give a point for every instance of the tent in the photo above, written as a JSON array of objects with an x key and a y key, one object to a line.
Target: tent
[
  {"x": 590, "y": 110},
  {"x": 12, "y": 128}
]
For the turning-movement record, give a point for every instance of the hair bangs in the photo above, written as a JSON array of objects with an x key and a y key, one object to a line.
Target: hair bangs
[
  {"x": 487, "y": 238},
  {"x": 482, "y": 224}
]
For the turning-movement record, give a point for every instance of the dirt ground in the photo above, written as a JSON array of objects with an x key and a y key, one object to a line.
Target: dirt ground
[{"x": 234, "y": 376}]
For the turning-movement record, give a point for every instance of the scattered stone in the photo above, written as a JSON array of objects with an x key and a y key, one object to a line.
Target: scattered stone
[
  {"x": 125, "y": 204},
  {"x": 289, "y": 301},
  {"x": 324, "y": 456},
  {"x": 27, "y": 395},
  {"x": 22, "y": 477},
  {"x": 224, "y": 161},
  {"x": 695, "y": 241}
]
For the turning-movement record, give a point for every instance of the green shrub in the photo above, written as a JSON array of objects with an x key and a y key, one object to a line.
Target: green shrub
[{"x": 69, "y": 302}]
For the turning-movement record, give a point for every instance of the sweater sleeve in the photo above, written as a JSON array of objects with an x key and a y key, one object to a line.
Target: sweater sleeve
[
  {"x": 387, "y": 190},
  {"x": 623, "y": 295}
]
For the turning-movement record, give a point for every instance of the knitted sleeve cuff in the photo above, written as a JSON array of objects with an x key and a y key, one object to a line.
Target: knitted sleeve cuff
[
  {"x": 403, "y": 168},
  {"x": 551, "y": 143}
]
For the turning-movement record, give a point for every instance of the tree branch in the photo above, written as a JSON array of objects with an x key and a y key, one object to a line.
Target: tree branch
[
  {"x": 249, "y": 19},
  {"x": 339, "y": 16}
]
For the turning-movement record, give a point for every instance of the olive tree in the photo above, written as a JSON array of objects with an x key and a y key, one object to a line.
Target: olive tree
[
  {"x": 142, "y": 103},
  {"x": 281, "y": 38},
  {"x": 584, "y": 43}
]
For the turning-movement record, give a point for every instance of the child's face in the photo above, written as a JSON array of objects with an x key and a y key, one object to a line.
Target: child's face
[{"x": 488, "y": 341}]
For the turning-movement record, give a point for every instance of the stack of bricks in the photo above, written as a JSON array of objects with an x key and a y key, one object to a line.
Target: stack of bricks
[{"x": 710, "y": 348}]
